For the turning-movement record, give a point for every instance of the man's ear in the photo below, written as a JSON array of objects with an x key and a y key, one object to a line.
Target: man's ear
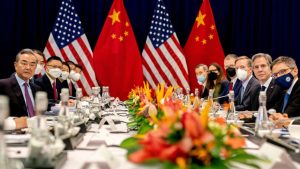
[{"x": 295, "y": 72}]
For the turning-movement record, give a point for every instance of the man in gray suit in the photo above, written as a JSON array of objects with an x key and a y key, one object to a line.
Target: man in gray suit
[{"x": 247, "y": 98}]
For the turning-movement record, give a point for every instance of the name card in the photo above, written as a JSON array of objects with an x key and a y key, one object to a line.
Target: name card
[{"x": 278, "y": 157}]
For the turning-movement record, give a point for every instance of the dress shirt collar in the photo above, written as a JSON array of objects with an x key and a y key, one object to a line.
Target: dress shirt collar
[
  {"x": 20, "y": 81},
  {"x": 289, "y": 91},
  {"x": 267, "y": 83},
  {"x": 245, "y": 83}
]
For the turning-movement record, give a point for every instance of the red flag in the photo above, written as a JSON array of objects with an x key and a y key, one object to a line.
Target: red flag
[
  {"x": 68, "y": 41},
  {"x": 203, "y": 45},
  {"x": 163, "y": 59},
  {"x": 117, "y": 60}
]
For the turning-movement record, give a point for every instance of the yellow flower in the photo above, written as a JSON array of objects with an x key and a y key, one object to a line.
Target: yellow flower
[
  {"x": 205, "y": 114},
  {"x": 160, "y": 92},
  {"x": 181, "y": 162},
  {"x": 147, "y": 91}
]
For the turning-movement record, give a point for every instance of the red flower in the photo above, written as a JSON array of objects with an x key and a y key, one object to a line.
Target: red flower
[{"x": 191, "y": 123}]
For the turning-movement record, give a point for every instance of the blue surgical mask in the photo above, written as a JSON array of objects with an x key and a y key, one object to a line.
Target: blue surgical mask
[
  {"x": 201, "y": 79},
  {"x": 285, "y": 81}
]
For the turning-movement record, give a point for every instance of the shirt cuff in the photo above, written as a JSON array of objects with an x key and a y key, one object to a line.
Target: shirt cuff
[{"x": 9, "y": 123}]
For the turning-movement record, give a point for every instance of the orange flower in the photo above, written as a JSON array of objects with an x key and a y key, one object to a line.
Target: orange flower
[
  {"x": 220, "y": 121},
  {"x": 235, "y": 142},
  {"x": 191, "y": 123},
  {"x": 139, "y": 156},
  {"x": 181, "y": 162}
]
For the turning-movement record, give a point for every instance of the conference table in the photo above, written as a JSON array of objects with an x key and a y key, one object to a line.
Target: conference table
[{"x": 99, "y": 148}]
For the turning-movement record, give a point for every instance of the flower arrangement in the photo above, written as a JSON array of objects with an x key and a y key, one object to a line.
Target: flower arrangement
[
  {"x": 184, "y": 138},
  {"x": 141, "y": 107}
]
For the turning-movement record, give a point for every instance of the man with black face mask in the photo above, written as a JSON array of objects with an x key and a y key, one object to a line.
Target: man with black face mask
[
  {"x": 229, "y": 65},
  {"x": 285, "y": 71}
]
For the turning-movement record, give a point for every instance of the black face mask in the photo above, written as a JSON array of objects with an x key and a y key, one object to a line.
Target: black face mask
[
  {"x": 230, "y": 72},
  {"x": 212, "y": 76}
]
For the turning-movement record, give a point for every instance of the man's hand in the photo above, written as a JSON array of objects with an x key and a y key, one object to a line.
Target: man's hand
[
  {"x": 71, "y": 102},
  {"x": 21, "y": 122},
  {"x": 280, "y": 120},
  {"x": 245, "y": 115}
]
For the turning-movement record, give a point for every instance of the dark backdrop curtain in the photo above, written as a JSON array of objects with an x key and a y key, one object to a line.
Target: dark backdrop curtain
[{"x": 245, "y": 26}]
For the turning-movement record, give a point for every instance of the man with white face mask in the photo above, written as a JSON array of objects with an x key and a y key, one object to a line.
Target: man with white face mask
[
  {"x": 201, "y": 72},
  {"x": 49, "y": 81},
  {"x": 63, "y": 83},
  {"x": 74, "y": 76},
  {"x": 39, "y": 70},
  {"x": 247, "y": 98}
]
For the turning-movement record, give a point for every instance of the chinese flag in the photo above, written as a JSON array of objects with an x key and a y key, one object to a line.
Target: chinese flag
[
  {"x": 117, "y": 60},
  {"x": 203, "y": 45}
]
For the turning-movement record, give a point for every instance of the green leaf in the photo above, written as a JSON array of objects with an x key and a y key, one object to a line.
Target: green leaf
[
  {"x": 144, "y": 128},
  {"x": 175, "y": 136},
  {"x": 169, "y": 165},
  {"x": 130, "y": 144}
]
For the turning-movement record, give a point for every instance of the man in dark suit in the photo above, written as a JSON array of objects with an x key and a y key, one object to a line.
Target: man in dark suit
[
  {"x": 49, "y": 81},
  {"x": 229, "y": 65},
  {"x": 201, "y": 72},
  {"x": 262, "y": 71},
  {"x": 285, "y": 71},
  {"x": 247, "y": 98},
  {"x": 18, "y": 88}
]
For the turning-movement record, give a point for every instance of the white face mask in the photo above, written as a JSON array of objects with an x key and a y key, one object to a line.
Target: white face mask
[
  {"x": 38, "y": 69},
  {"x": 76, "y": 77},
  {"x": 56, "y": 72},
  {"x": 241, "y": 74},
  {"x": 64, "y": 75},
  {"x": 72, "y": 73}
]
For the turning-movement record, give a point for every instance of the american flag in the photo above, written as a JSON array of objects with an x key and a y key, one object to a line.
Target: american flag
[
  {"x": 163, "y": 59},
  {"x": 68, "y": 41}
]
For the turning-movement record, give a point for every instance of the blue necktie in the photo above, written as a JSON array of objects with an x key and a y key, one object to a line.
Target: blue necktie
[
  {"x": 285, "y": 101},
  {"x": 263, "y": 88},
  {"x": 242, "y": 93}
]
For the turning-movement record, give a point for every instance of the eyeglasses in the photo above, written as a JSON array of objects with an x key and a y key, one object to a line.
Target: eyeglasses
[
  {"x": 281, "y": 72},
  {"x": 55, "y": 66}
]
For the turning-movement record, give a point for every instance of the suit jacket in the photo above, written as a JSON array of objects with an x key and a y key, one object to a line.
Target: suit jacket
[
  {"x": 45, "y": 84},
  {"x": 293, "y": 104},
  {"x": 64, "y": 84},
  {"x": 224, "y": 90},
  {"x": 273, "y": 92},
  {"x": 237, "y": 86},
  {"x": 250, "y": 98},
  {"x": 11, "y": 88}
]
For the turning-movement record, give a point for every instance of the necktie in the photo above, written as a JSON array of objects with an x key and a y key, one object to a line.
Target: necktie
[
  {"x": 242, "y": 93},
  {"x": 263, "y": 88},
  {"x": 28, "y": 101},
  {"x": 285, "y": 101},
  {"x": 54, "y": 90},
  {"x": 230, "y": 86},
  {"x": 70, "y": 88}
]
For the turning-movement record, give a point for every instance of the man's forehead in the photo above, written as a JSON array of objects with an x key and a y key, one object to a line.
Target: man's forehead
[{"x": 26, "y": 57}]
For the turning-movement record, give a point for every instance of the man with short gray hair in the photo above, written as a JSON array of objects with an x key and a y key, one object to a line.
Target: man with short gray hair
[
  {"x": 285, "y": 71},
  {"x": 261, "y": 63},
  {"x": 19, "y": 89}
]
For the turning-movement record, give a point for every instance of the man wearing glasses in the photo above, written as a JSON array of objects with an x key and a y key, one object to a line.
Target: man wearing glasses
[
  {"x": 20, "y": 90},
  {"x": 49, "y": 81},
  {"x": 285, "y": 71}
]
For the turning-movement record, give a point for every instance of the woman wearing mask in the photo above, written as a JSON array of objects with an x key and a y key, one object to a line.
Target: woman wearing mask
[{"x": 216, "y": 81}]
